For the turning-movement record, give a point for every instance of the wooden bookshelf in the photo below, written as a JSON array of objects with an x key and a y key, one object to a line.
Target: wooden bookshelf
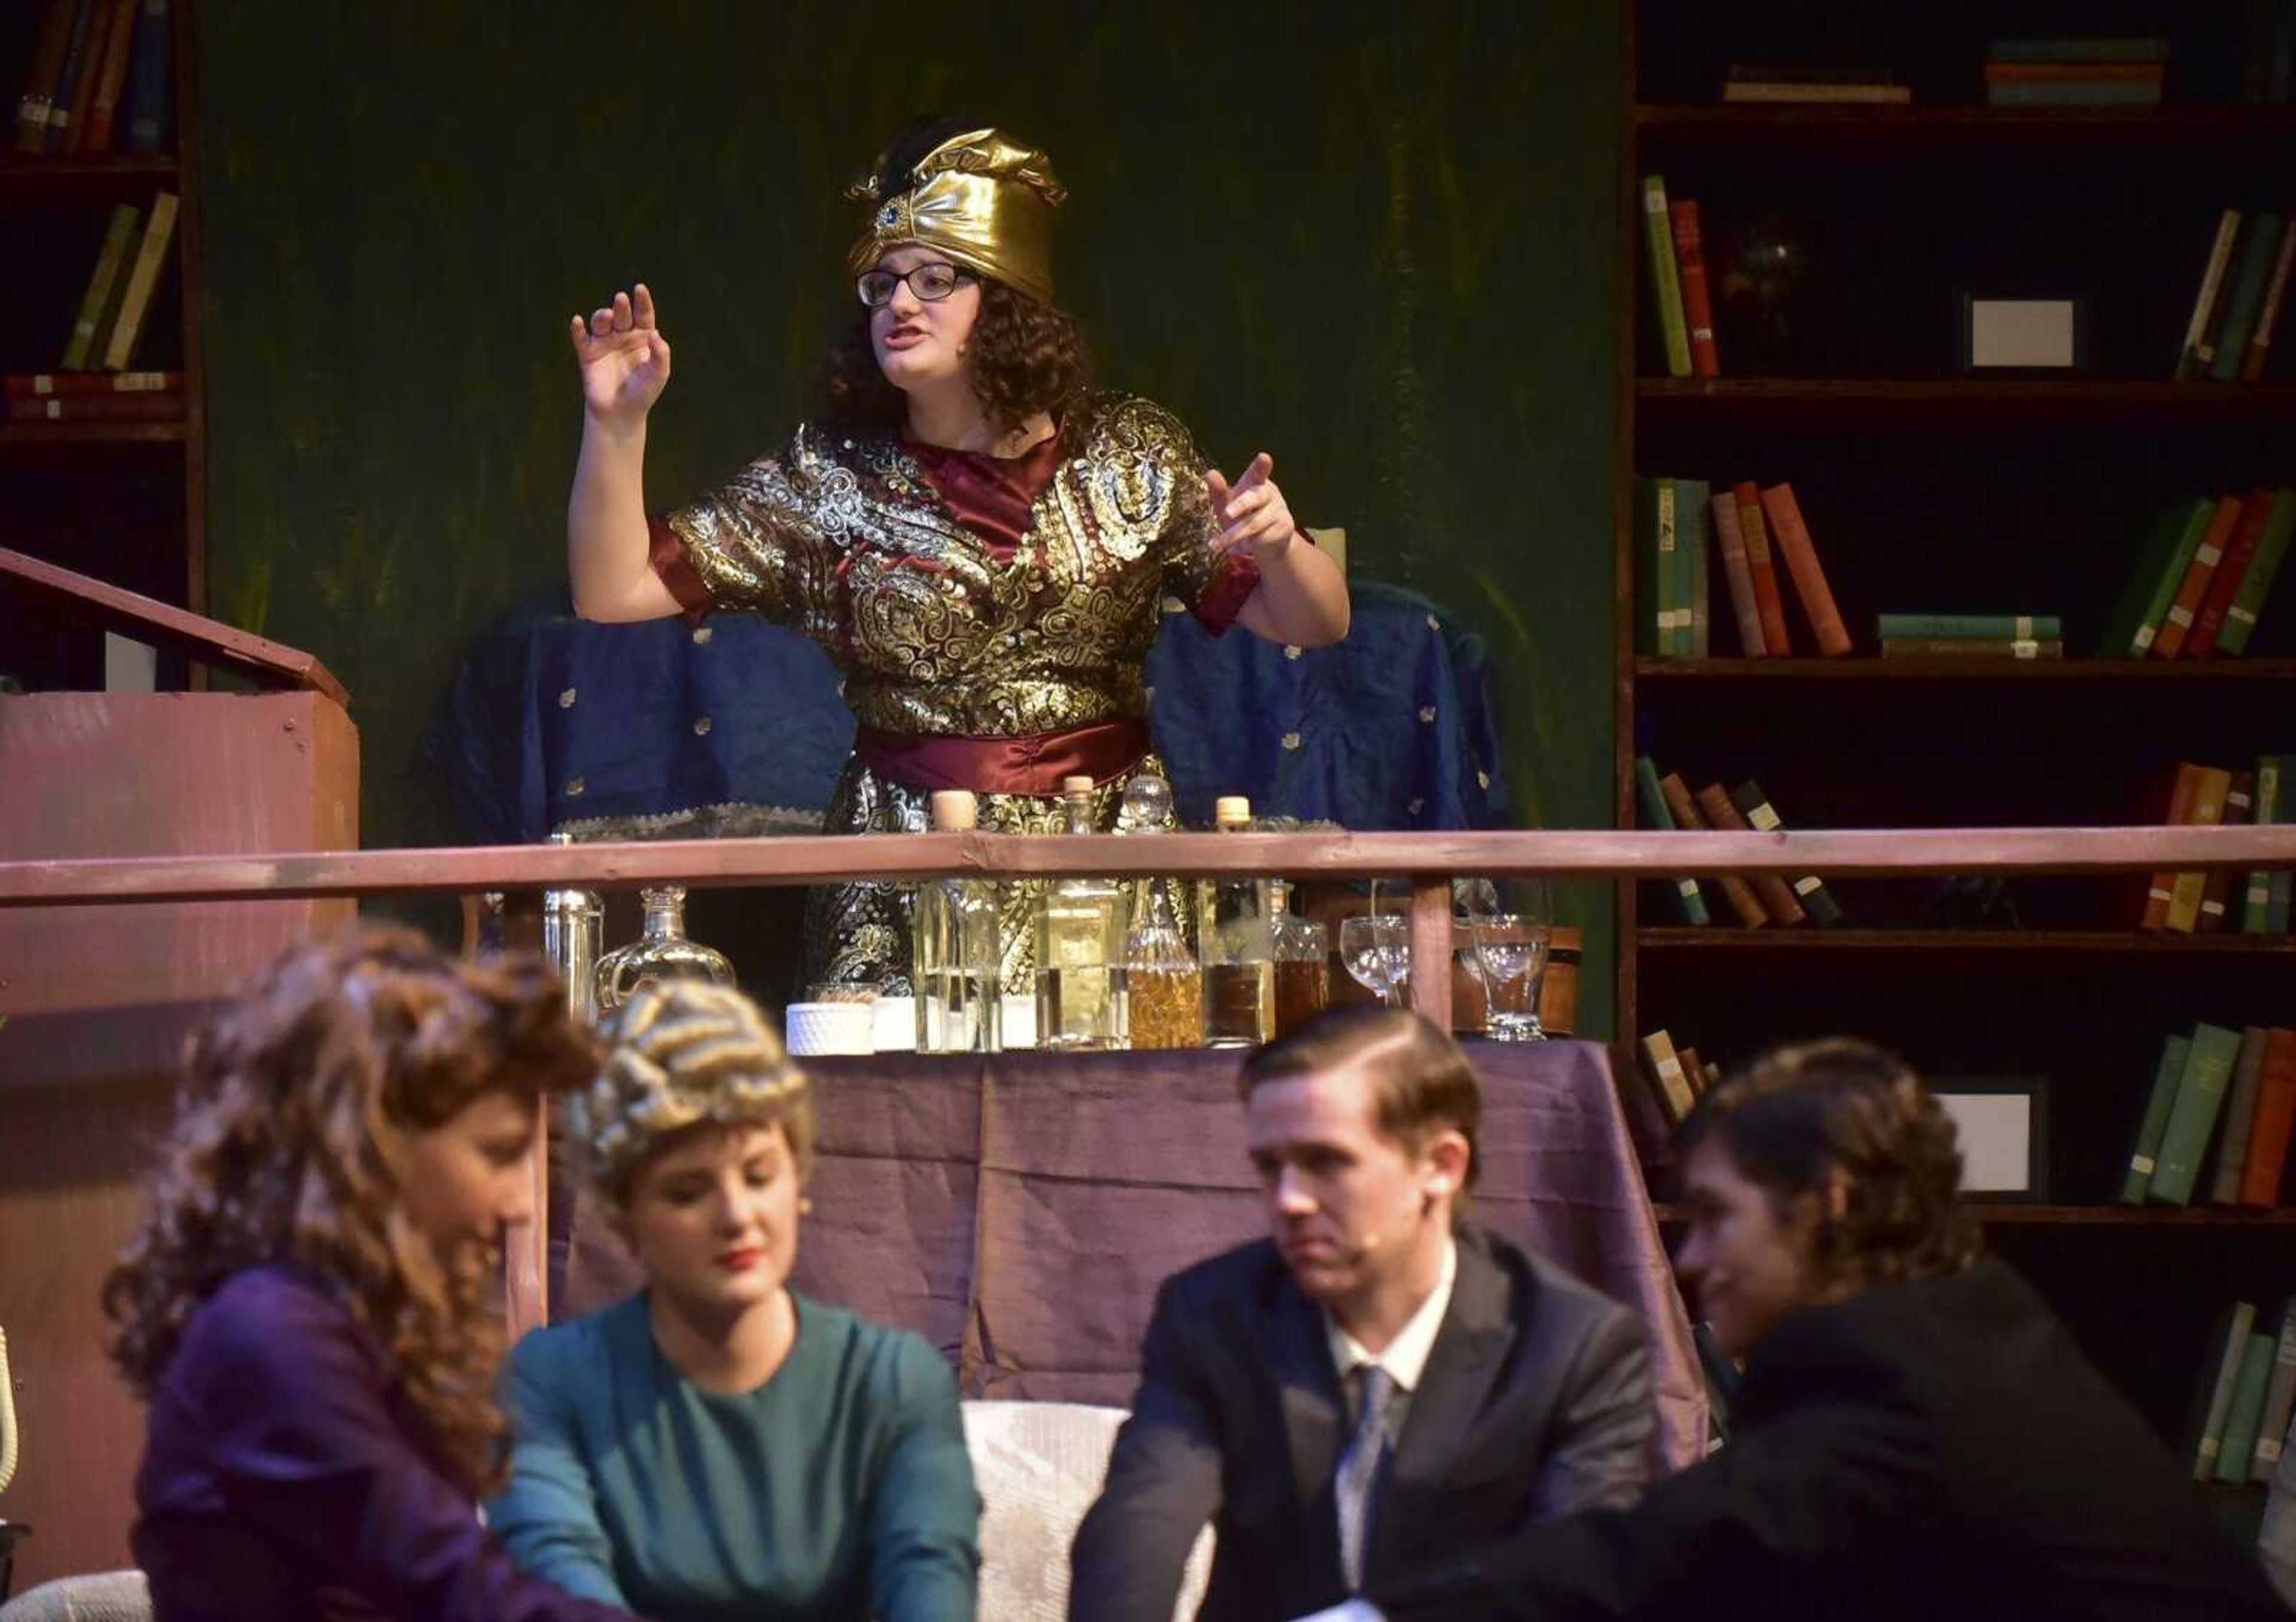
[
  {"x": 1954, "y": 400},
  {"x": 125, "y": 501},
  {"x": 1868, "y": 668},
  {"x": 1756, "y": 126},
  {"x": 1805, "y": 940}
]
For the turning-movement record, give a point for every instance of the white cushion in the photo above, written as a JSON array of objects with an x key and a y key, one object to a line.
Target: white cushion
[
  {"x": 102, "y": 1596},
  {"x": 1039, "y": 1466}
]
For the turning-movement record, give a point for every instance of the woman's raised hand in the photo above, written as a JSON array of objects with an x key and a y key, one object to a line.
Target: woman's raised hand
[
  {"x": 625, "y": 359},
  {"x": 1252, "y": 513}
]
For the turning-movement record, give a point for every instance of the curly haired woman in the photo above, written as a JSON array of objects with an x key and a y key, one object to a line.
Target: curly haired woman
[
  {"x": 980, "y": 540},
  {"x": 306, "y": 1307},
  {"x": 717, "y": 1447}
]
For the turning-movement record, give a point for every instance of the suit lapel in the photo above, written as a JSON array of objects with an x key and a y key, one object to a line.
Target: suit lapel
[
  {"x": 1471, "y": 1348},
  {"x": 1308, "y": 1390}
]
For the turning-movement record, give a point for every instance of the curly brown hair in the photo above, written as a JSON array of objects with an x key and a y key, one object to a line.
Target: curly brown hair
[
  {"x": 1024, "y": 355},
  {"x": 1802, "y": 1117},
  {"x": 272, "y": 1157}
]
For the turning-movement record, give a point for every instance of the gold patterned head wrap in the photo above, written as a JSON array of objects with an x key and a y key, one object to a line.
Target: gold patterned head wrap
[
  {"x": 983, "y": 198},
  {"x": 683, "y": 1052}
]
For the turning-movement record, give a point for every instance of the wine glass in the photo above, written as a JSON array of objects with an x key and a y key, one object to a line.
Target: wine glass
[
  {"x": 1377, "y": 953},
  {"x": 1510, "y": 951}
]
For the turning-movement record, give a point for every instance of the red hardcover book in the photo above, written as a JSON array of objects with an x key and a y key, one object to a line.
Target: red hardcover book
[
  {"x": 2186, "y": 606},
  {"x": 2073, "y": 72},
  {"x": 1808, "y": 576},
  {"x": 161, "y": 406},
  {"x": 2162, "y": 889},
  {"x": 1697, "y": 301},
  {"x": 2275, "y": 1120},
  {"x": 90, "y": 74},
  {"x": 2216, "y": 893},
  {"x": 39, "y": 384},
  {"x": 1685, "y": 814},
  {"x": 1763, "y": 569},
  {"x": 2224, "y": 580},
  {"x": 1777, "y": 895},
  {"x": 103, "y": 108}
]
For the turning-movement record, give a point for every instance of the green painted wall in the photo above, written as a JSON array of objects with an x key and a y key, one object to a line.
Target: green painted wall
[{"x": 1375, "y": 240}]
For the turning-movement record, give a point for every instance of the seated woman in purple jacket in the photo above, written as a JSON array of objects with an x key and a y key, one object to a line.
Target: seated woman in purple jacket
[{"x": 306, "y": 1307}]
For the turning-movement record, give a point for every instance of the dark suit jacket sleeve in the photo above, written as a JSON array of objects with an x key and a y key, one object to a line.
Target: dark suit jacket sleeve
[
  {"x": 1839, "y": 1472},
  {"x": 1600, "y": 1457},
  {"x": 1163, "y": 1483}
]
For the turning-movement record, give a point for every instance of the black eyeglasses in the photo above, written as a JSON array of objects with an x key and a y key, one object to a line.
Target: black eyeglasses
[{"x": 931, "y": 282}]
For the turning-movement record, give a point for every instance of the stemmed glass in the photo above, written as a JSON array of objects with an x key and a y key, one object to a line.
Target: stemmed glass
[
  {"x": 1510, "y": 957},
  {"x": 1376, "y": 949}
]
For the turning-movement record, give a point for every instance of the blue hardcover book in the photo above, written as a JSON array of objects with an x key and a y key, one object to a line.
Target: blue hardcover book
[{"x": 150, "y": 104}]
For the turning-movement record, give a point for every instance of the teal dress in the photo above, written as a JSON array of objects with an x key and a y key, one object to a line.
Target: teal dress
[{"x": 840, "y": 1489}]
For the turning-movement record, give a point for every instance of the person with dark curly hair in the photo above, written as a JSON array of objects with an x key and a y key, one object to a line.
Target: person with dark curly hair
[
  {"x": 979, "y": 539},
  {"x": 718, "y": 1445},
  {"x": 1916, "y": 1435},
  {"x": 306, "y": 1308}
]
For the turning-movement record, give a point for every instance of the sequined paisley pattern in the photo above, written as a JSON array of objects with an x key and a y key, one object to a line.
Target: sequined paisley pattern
[{"x": 844, "y": 539}]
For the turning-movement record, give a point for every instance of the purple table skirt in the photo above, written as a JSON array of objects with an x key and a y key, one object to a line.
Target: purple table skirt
[{"x": 1020, "y": 1210}]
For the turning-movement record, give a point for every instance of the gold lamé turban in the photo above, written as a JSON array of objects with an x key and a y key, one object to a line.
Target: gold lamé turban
[{"x": 983, "y": 199}]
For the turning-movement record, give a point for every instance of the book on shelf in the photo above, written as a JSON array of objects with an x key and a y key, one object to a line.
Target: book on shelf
[
  {"x": 1969, "y": 647},
  {"x": 1658, "y": 525},
  {"x": 70, "y": 80},
  {"x": 2268, "y": 319},
  {"x": 1734, "y": 890},
  {"x": 150, "y": 406},
  {"x": 39, "y": 384},
  {"x": 111, "y": 267},
  {"x": 1666, "y": 284},
  {"x": 148, "y": 108},
  {"x": 2256, "y": 887},
  {"x": 2236, "y": 1449},
  {"x": 1762, "y": 570},
  {"x": 1737, "y": 574},
  {"x": 1813, "y": 83},
  {"x": 2193, "y": 1117},
  {"x": 2099, "y": 48},
  {"x": 2224, "y": 580},
  {"x": 98, "y": 127},
  {"x": 2257, "y": 579},
  {"x": 1793, "y": 538},
  {"x": 1777, "y": 896},
  {"x": 1973, "y": 627},
  {"x": 2239, "y": 1117},
  {"x": 2264, "y": 1168},
  {"x": 1809, "y": 890},
  {"x": 2204, "y": 809},
  {"x": 2144, "y": 1158},
  {"x": 118, "y": 347},
  {"x": 2259, "y": 247},
  {"x": 38, "y": 97},
  {"x": 2215, "y": 892},
  {"x": 2177, "y": 623},
  {"x": 2279, "y": 1399},
  {"x": 1662, "y": 1069},
  {"x": 1688, "y": 898},
  {"x": 2084, "y": 91},
  {"x": 2196, "y": 355},
  {"x": 2169, "y": 804},
  {"x": 1697, "y": 296},
  {"x": 2227, "y": 1348}
]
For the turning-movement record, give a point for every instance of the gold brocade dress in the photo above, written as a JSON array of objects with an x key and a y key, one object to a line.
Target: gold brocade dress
[{"x": 977, "y": 663}]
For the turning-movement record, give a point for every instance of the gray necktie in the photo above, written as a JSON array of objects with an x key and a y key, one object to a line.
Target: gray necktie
[{"x": 1354, "y": 1484}]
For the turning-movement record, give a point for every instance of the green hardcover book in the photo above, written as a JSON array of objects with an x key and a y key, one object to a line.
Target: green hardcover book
[
  {"x": 2237, "y": 1449},
  {"x": 2228, "y": 1347},
  {"x": 111, "y": 271},
  {"x": 1979, "y": 627},
  {"x": 2258, "y": 248},
  {"x": 2138, "y": 1181},
  {"x": 1654, "y": 583},
  {"x": 2200, "y": 1096},
  {"x": 2279, "y": 1400},
  {"x": 2256, "y": 895},
  {"x": 2160, "y": 573},
  {"x": 1666, "y": 282},
  {"x": 1693, "y": 501},
  {"x": 1686, "y": 892},
  {"x": 2256, "y": 585},
  {"x": 1809, "y": 890}
]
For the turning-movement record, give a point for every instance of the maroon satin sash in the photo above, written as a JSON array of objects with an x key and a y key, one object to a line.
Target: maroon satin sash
[{"x": 1033, "y": 764}]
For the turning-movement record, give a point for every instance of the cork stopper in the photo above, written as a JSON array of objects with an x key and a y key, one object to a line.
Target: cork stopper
[
  {"x": 1232, "y": 811},
  {"x": 1077, "y": 785},
  {"x": 954, "y": 810}
]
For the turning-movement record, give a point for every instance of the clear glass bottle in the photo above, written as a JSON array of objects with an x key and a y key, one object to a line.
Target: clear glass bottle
[
  {"x": 1234, "y": 948},
  {"x": 1080, "y": 949},
  {"x": 954, "y": 952},
  {"x": 573, "y": 924},
  {"x": 1303, "y": 962},
  {"x": 662, "y": 952},
  {"x": 1163, "y": 991}
]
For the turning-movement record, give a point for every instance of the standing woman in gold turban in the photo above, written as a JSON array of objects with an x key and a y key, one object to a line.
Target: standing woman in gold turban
[{"x": 979, "y": 539}]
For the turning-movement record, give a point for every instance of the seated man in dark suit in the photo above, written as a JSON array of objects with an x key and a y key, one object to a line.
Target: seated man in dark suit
[
  {"x": 1916, "y": 1435},
  {"x": 1377, "y": 1387}
]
